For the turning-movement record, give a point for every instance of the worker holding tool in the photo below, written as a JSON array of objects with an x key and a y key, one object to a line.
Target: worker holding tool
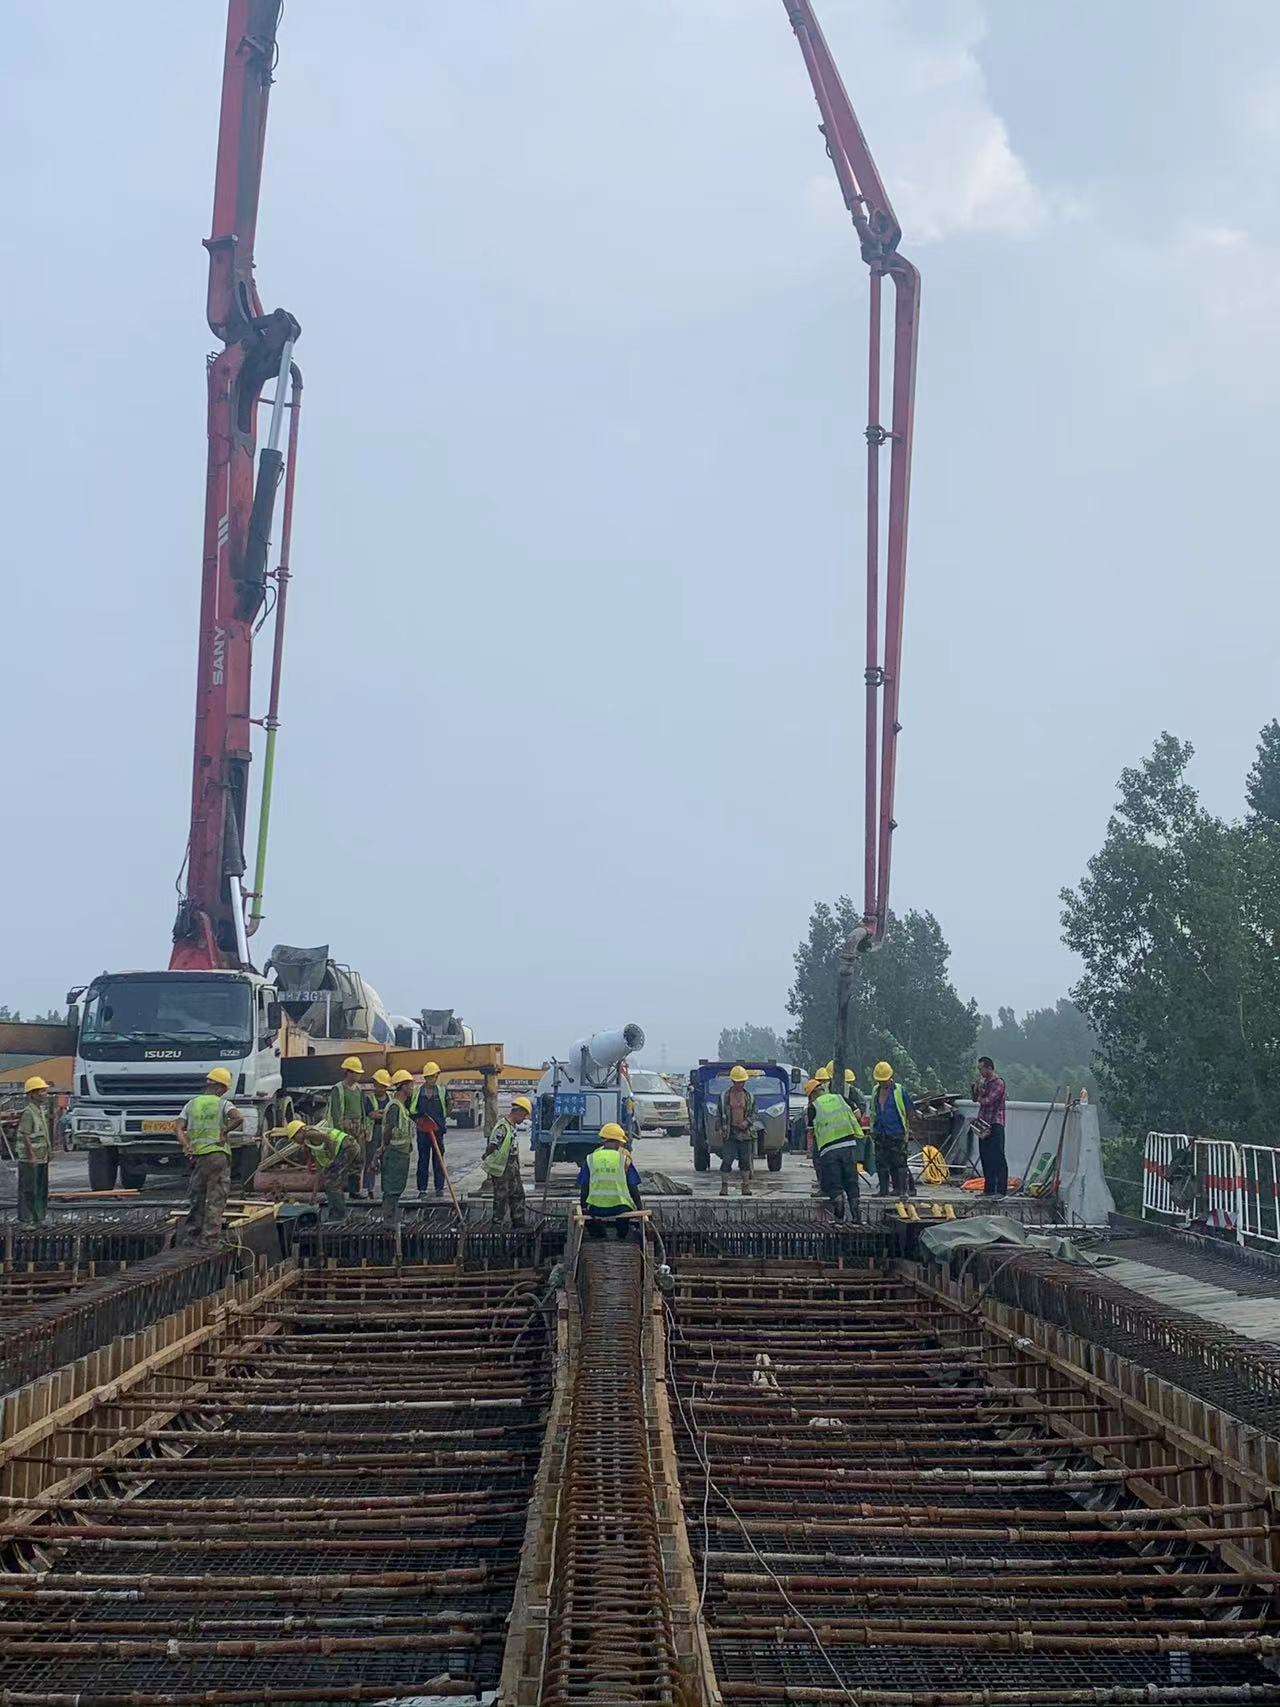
[
  {"x": 397, "y": 1144},
  {"x": 609, "y": 1185},
  {"x": 890, "y": 1124},
  {"x": 736, "y": 1123},
  {"x": 329, "y": 1153},
  {"x": 204, "y": 1128},
  {"x": 378, "y": 1100},
  {"x": 501, "y": 1161},
  {"x": 34, "y": 1150},
  {"x": 837, "y": 1133},
  {"x": 989, "y": 1094},
  {"x": 429, "y": 1107},
  {"x": 349, "y": 1113}
]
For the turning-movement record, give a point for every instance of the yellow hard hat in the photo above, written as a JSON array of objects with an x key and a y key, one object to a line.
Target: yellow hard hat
[
  {"x": 400, "y": 1077},
  {"x": 35, "y": 1083},
  {"x": 293, "y": 1128},
  {"x": 823, "y": 1075},
  {"x": 883, "y": 1073},
  {"x": 353, "y": 1064},
  {"x": 522, "y": 1103},
  {"x": 850, "y": 1077},
  {"x": 219, "y": 1076},
  {"x": 430, "y": 1070},
  {"x": 739, "y": 1075},
  {"x": 383, "y": 1078},
  {"x": 612, "y": 1134},
  {"x": 812, "y": 1086}
]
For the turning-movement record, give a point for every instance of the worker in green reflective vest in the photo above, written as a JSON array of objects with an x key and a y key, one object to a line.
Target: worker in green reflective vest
[
  {"x": 329, "y": 1153},
  {"x": 34, "y": 1148},
  {"x": 205, "y": 1126},
  {"x": 397, "y": 1144},
  {"x": 350, "y": 1112},
  {"x": 836, "y": 1136},
  {"x": 609, "y": 1186},
  {"x": 501, "y": 1161}
]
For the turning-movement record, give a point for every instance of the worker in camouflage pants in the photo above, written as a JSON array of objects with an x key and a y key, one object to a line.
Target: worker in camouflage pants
[
  {"x": 204, "y": 1132},
  {"x": 329, "y": 1152},
  {"x": 501, "y": 1161},
  {"x": 397, "y": 1144},
  {"x": 34, "y": 1148},
  {"x": 349, "y": 1112}
]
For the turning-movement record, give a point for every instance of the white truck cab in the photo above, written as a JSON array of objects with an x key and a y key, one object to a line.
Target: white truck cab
[{"x": 145, "y": 1042}]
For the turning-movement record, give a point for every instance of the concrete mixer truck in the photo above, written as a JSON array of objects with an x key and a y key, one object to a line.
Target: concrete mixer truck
[{"x": 578, "y": 1096}]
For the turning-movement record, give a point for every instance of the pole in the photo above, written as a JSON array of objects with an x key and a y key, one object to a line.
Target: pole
[
  {"x": 874, "y": 676},
  {"x": 283, "y": 574}
]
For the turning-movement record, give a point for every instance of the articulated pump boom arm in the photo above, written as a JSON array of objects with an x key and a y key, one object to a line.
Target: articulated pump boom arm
[
  {"x": 210, "y": 929},
  {"x": 879, "y": 235}
]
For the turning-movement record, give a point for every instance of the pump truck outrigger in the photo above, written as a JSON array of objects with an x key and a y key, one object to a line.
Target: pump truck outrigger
[{"x": 147, "y": 1037}]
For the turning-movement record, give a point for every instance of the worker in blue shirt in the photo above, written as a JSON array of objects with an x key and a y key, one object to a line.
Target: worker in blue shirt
[
  {"x": 890, "y": 1124},
  {"x": 609, "y": 1185}
]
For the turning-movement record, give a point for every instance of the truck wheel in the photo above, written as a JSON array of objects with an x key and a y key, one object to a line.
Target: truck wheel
[
  {"x": 775, "y": 1161},
  {"x": 102, "y": 1169},
  {"x": 701, "y": 1156},
  {"x": 133, "y": 1174},
  {"x": 541, "y": 1162},
  {"x": 244, "y": 1163}
]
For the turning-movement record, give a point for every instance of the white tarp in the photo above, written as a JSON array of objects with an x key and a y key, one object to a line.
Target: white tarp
[{"x": 1084, "y": 1194}]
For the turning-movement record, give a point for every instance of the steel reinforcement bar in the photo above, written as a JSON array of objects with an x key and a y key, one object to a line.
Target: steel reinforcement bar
[
  {"x": 317, "y": 1492},
  {"x": 890, "y": 1503}
]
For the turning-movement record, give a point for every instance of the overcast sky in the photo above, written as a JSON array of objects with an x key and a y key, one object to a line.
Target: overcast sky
[{"x": 573, "y": 680}]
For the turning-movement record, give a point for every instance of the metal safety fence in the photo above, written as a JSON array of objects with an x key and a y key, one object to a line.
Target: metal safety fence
[{"x": 1234, "y": 1187}]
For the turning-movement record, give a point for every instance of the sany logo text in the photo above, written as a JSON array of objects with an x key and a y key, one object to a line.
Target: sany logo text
[{"x": 219, "y": 655}]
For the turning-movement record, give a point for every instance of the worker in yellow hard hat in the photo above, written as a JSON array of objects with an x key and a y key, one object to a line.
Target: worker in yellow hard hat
[
  {"x": 35, "y": 1146},
  {"x": 890, "y": 1128},
  {"x": 609, "y": 1185},
  {"x": 501, "y": 1162},
  {"x": 327, "y": 1149},
  {"x": 397, "y": 1143},
  {"x": 205, "y": 1125},
  {"x": 736, "y": 1129},
  {"x": 378, "y": 1100},
  {"x": 351, "y": 1111},
  {"x": 429, "y": 1106}
]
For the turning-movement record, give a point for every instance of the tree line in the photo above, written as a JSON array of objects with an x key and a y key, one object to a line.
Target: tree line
[{"x": 1175, "y": 1022}]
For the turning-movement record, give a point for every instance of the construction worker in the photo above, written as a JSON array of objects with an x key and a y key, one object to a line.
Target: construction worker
[
  {"x": 609, "y": 1185},
  {"x": 397, "y": 1143},
  {"x": 736, "y": 1124},
  {"x": 429, "y": 1106},
  {"x": 328, "y": 1152},
  {"x": 34, "y": 1149},
  {"x": 349, "y": 1112},
  {"x": 989, "y": 1093},
  {"x": 204, "y": 1128},
  {"x": 890, "y": 1125},
  {"x": 837, "y": 1134},
  {"x": 373, "y": 1154},
  {"x": 501, "y": 1161}
]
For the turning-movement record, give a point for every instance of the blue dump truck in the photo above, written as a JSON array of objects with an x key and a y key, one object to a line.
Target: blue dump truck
[{"x": 769, "y": 1084}]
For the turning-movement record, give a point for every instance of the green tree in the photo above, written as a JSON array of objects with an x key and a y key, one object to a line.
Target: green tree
[
  {"x": 1175, "y": 921},
  {"x": 905, "y": 1008},
  {"x": 751, "y": 1043},
  {"x": 1047, "y": 1050}
]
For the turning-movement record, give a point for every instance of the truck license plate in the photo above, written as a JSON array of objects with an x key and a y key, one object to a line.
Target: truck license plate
[{"x": 159, "y": 1126}]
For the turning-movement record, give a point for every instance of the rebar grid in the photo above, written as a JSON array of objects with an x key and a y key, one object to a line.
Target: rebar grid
[
  {"x": 610, "y": 1629},
  {"x": 334, "y": 1514},
  {"x": 875, "y": 1520}
]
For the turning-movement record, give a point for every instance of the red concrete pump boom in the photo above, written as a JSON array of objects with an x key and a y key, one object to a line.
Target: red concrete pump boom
[
  {"x": 210, "y": 928},
  {"x": 879, "y": 234}
]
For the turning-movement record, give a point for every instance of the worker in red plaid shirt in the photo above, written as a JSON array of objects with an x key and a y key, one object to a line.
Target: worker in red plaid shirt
[{"x": 988, "y": 1093}]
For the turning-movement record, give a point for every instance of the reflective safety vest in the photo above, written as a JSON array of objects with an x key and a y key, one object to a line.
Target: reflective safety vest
[
  {"x": 204, "y": 1127},
  {"x": 607, "y": 1187},
  {"x": 325, "y": 1152},
  {"x": 424, "y": 1093},
  {"x": 495, "y": 1163},
  {"x": 347, "y": 1106},
  {"x": 397, "y": 1128},
  {"x": 900, "y": 1104},
  {"x": 832, "y": 1120}
]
